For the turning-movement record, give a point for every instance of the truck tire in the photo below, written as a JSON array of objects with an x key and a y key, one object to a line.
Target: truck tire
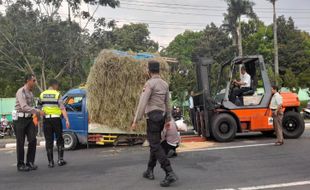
[
  {"x": 293, "y": 125},
  {"x": 70, "y": 140},
  {"x": 224, "y": 127}
]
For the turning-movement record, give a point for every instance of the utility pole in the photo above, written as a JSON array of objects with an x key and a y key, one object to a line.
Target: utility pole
[
  {"x": 275, "y": 43},
  {"x": 70, "y": 44}
]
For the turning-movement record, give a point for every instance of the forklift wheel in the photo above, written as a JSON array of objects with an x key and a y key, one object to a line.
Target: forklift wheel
[
  {"x": 224, "y": 127},
  {"x": 293, "y": 125}
]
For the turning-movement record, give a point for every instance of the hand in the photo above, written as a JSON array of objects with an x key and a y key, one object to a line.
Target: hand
[
  {"x": 41, "y": 113},
  {"x": 167, "y": 125},
  {"x": 133, "y": 126},
  {"x": 67, "y": 124}
]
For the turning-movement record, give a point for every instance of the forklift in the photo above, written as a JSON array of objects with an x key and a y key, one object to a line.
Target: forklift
[{"x": 218, "y": 118}]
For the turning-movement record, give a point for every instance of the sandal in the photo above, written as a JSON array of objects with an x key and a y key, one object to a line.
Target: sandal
[{"x": 279, "y": 143}]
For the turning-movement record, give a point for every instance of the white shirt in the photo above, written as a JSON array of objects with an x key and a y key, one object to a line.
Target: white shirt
[
  {"x": 246, "y": 78},
  {"x": 276, "y": 100},
  {"x": 4, "y": 122},
  {"x": 191, "y": 102}
]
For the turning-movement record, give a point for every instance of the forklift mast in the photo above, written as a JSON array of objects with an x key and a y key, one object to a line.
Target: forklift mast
[{"x": 203, "y": 101}]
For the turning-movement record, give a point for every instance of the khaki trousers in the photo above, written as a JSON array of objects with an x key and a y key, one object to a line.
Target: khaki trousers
[{"x": 277, "y": 124}]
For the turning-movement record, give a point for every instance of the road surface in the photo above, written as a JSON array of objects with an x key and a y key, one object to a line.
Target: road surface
[{"x": 250, "y": 162}]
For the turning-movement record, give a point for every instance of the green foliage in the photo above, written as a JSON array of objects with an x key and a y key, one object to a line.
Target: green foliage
[{"x": 134, "y": 37}]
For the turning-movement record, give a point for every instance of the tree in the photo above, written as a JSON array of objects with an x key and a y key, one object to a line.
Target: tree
[
  {"x": 36, "y": 40},
  {"x": 237, "y": 8},
  {"x": 134, "y": 37},
  {"x": 182, "y": 48}
]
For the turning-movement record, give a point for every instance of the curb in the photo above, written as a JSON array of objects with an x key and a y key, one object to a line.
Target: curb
[{"x": 13, "y": 145}]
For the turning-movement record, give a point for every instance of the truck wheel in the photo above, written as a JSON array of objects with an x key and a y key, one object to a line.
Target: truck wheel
[
  {"x": 293, "y": 125},
  {"x": 224, "y": 127},
  {"x": 70, "y": 141}
]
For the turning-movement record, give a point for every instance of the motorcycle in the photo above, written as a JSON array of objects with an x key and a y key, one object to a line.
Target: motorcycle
[{"x": 7, "y": 131}]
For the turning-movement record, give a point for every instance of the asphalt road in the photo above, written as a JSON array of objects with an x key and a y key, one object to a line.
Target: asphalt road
[{"x": 234, "y": 166}]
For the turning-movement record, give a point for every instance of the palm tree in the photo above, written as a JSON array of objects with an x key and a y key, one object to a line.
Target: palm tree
[
  {"x": 275, "y": 41},
  {"x": 237, "y": 8}
]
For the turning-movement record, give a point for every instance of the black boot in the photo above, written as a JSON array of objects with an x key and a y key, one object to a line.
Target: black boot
[
  {"x": 21, "y": 167},
  {"x": 170, "y": 178},
  {"x": 149, "y": 174},
  {"x": 61, "y": 161},
  {"x": 32, "y": 166},
  {"x": 50, "y": 158}
]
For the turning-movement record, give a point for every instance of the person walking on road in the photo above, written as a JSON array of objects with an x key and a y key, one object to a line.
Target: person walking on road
[
  {"x": 154, "y": 101},
  {"x": 277, "y": 114},
  {"x": 24, "y": 110},
  {"x": 53, "y": 108}
]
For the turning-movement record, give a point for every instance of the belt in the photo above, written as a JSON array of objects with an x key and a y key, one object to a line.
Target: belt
[
  {"x": 52, "y": 116},
  {"x": 25, "y": 115}
]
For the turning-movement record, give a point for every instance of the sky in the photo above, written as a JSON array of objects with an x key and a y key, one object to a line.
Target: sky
[{"x": 166, "y": 19}]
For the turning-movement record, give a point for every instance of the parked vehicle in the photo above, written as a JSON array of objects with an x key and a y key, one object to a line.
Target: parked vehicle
[{"x": 83, "y": 132}]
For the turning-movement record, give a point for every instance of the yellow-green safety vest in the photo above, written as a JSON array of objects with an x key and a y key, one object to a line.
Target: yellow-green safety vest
[{"x": 49, "y": 100}]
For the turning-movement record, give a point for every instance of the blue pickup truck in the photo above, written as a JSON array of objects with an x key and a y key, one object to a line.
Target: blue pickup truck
[{"x": 83, "y": 132}]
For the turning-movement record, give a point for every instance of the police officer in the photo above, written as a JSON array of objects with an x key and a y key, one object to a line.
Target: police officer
[
  {"x": 24, "y": 125},
  {"x": 154, "y": 101},
  {"x": 53, "y": 108}
]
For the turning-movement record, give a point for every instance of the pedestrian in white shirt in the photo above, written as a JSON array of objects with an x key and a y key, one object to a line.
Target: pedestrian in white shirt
[
  {"x": 277, "y": 114},
  {"x": 244, "y": 84}
]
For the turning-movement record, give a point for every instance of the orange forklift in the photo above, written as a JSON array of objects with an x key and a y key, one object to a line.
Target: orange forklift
[{"x": 219, "y": 118}]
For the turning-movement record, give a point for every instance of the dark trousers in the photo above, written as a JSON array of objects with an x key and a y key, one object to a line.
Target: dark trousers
[
  {"x": 157, "y": 153},
  {"x": 193, "y": 118},
  {"x": 25, "y": 127},
  {"x": 51, "y": 127},
  {"x": 238, "y": 92},
  {"x": 167, "y": 147}
]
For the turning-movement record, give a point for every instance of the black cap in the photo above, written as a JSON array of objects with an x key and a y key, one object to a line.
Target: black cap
[{"x": 154, "y": 66}]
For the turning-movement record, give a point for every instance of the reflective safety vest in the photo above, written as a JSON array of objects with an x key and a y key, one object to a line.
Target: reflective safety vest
[{"x": 49, "y": 100}]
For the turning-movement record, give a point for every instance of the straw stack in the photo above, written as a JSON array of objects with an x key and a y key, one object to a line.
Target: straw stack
[{"x": 113, "y": 87}]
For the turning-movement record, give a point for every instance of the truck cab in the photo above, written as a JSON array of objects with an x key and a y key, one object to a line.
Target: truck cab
[{"x": 75, "y": 103}]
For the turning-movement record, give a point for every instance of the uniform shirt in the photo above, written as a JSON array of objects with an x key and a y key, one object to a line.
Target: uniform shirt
[
  {"x": 191, "y": 102},
  {"x": 25, "y": 101},
  {"x": 171, "y": 134},
  {"x": 155, "y": 96},
  {"x": 276, "y": 100},
  {"x": 246, "y": 78}
]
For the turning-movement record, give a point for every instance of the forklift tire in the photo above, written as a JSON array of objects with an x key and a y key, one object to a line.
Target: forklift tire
[
  {"x": 70, "y": 140},
  {"x": 224, "y": 127},
  {"x": 293, "y": 125}
]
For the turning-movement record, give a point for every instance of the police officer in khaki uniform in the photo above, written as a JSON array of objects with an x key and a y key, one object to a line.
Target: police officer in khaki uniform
[
  {"x": 24, "y": 125},
  {"x": 154, "y": 102},
  {"x": 54, "y": 109},
  {"x": 277, "y": 114}
]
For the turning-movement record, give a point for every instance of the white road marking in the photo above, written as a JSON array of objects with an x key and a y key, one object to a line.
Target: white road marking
[
  {"x": 272, "y": 186},
  {"x": 229, "y": 147}
]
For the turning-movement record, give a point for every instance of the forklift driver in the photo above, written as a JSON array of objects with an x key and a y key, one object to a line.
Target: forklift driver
[{"x": 244, "y": 85}]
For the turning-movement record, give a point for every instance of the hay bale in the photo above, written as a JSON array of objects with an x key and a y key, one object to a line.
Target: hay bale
[{"x": 113, "y": 87}]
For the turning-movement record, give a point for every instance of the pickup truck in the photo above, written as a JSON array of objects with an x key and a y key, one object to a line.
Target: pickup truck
[{"x": 82, "y": 132}]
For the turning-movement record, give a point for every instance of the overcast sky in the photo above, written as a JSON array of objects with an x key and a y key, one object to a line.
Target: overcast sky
[{"x": 166, "y": 19}]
